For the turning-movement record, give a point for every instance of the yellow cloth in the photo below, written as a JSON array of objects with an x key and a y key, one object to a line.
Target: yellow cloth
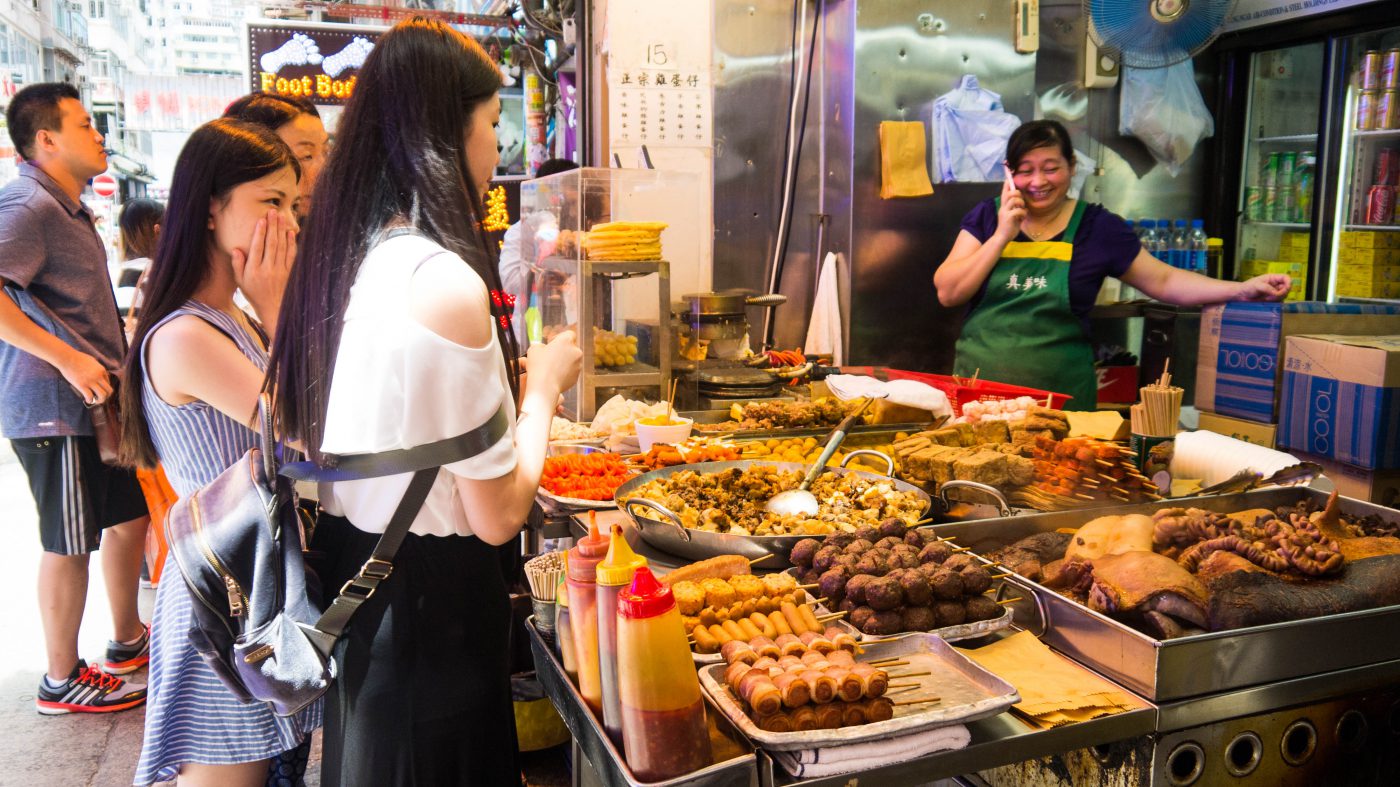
[
  {"x": 1054, "y": 690},
  {"x": 903, "y": 161}
]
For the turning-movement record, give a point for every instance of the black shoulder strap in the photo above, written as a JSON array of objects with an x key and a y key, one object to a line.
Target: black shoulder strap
[{"x": 423, "y": 461}]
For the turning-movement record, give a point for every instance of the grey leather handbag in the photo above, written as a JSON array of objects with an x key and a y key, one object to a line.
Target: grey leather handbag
[{"x": 238, "y": 543}]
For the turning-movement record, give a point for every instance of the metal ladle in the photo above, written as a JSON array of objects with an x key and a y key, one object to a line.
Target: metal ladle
[{"x": 801, "y": 501}]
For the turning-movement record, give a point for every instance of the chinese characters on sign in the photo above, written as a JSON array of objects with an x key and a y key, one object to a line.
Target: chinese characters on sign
[{"x": 656, "y": 101}]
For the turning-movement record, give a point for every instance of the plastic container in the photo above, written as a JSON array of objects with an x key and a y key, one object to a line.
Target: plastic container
[
  {"x": 613, "y": 575},
  {"x": 563, "y": 628},
  {"x": 1215, "y": 258},
  {"x": 663, "y": 714},
  {"x": 583, "y": 562},
  {"x": 1177, "y": 249},
  {"x": 673, "y": 433}
]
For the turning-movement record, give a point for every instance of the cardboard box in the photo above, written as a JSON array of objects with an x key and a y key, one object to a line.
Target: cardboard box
[
  {"x": 1375, "y": 486},
  {"x": 1368, "y": 256},
  {"x": 1294, "y": 240},
  {"x": 1364, "y": 289},
  {"x": 1370, "y": 239},
  {"x": 1248, "y": 431},
  {"x": 1117, "y": 384},
  {"x": 1241, "y": 351},
  {"x": 1341, "y": 399},
  {"x": 1292, "y": 253}
]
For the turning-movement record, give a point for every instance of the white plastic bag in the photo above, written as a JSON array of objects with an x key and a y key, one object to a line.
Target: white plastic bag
[
  {"x": 970, "y": 129},
  {"x": 1163, "y": 108}
]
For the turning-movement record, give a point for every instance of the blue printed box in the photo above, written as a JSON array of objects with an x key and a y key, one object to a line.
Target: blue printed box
[
  {"x": 1240, "y": 362},
  {"x": 1341, "y": 399}
]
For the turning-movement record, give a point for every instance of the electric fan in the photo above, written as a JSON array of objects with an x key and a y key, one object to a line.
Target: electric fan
[{"x": 1155, "y": 33}]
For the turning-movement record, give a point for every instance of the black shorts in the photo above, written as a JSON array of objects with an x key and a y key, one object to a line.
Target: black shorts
[{"x": 76, "y": 494}]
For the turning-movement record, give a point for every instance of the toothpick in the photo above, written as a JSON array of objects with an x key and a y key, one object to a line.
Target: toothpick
[
  {"x": 913, "y": 685},
  {"x": 903, "y": 689},
  {"x": 918, "y": 702},
  {"x": 892, "y": 661},
  {"x": 832, "y": 616},
  {"x": 1010, "y": 600},
  {"x": 911, "y": 674},
  {"x": 808, "y": 587},
  {"x": 1001, "y": 576},
  {"x": 878, "y": 641},
  {"x": 758, "y": 560}
]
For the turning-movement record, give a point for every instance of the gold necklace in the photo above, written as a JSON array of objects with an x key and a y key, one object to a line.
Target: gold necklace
[{"x": 1040, "y": 235}]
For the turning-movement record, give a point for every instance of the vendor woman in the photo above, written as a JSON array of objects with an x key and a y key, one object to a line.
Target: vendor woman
[{"x": 1031, "y": 263}]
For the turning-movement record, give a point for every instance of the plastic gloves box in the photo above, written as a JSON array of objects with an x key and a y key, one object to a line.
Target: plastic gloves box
[
  {"x": 1241, "y": 351},
  {"x": 1249, "y": 431},
  {"x": 1341, "y": 399}
]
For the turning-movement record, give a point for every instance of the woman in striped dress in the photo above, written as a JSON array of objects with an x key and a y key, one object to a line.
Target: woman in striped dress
[{"x": 190, "y": 389}]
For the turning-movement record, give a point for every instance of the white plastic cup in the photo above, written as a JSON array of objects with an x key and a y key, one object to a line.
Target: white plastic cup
[{"x": 674, "y": 434}]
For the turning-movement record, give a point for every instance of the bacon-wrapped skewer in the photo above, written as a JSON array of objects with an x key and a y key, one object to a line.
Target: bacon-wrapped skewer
[
  {"x": 841, "y": 658},
  {"x": 852, "y": 713},
  {"x": 843, "y": 640},
  {"x": 822, "y": 684},
  {"x": 765, "y": 662},
  {"x": 849, "y": 686},
  {"x": 759, "y": 691},
  {"x": 776, "y": 722},
  {"x": 878, "y": 709},
  {"x": 765, "y": 647},
  {"x": 804, "y": 719},
  {"x": 876, "y": 681},
  {"x": 817, "y": 642},
  {"x": 795, "y": 691},
  {"x": 791, "y": 645},
  {"x": 815, "y": 660},
  {"x": 738, "y": 650},
  {"x": 829, "y": 717}
]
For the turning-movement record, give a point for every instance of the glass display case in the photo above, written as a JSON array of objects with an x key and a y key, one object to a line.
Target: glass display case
[
  {"x": 597, "y": 253},
  {"x": 1277, "y": 216},
  {"x": 1367, "y": 249}
]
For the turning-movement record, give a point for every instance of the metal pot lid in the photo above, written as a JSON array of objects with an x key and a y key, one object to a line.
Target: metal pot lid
[
  {"x": 725, "y": 302},
  {"x": 735, "y": 377}
]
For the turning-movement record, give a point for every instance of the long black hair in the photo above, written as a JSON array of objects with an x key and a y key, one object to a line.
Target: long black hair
[
  {"x": 270, "y": 109},
  {"x": 219, "y": 155},
  {"x": 138, "y": 223},
  {"x": 400, "y": 155}
]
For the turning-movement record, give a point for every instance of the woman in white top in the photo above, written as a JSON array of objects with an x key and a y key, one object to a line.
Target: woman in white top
[{"x": 390, "y": 341}]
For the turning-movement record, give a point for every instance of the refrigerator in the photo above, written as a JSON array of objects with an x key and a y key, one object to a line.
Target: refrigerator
[{"x": 1309, "y": 132}]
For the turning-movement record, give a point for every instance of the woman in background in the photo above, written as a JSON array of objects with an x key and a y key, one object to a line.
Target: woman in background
[
  {"x": 298, "y": 123},
  {"x": 191, "y": 388}
]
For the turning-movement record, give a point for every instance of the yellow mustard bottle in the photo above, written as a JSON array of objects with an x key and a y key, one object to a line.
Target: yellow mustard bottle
[{"x": 612, "y": 576}]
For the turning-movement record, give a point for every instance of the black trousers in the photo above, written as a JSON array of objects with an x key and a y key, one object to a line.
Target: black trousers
[{"x": 423, "y": 695}]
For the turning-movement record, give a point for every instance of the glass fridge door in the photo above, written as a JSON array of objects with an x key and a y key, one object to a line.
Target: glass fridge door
[
  {"x": 1280, "y": 154},
  {"x": 1367, "y": 250}
]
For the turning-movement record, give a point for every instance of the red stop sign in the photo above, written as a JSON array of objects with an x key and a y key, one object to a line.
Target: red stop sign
[{"x": 104, "y": 185}]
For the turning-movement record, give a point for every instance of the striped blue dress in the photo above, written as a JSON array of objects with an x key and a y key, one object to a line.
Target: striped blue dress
[{"x": 190, "y": 716}]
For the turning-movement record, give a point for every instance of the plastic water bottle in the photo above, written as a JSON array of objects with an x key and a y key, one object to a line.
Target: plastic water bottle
[
  {"x": 1178, "y": 251},
  {"x": 1147, "y": 235},
  {"x": 1161, "y": 241},
  {"x": 1196, "y": 246}
]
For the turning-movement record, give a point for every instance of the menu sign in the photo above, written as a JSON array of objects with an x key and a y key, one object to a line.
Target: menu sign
[{"x": 316, "y": 62}]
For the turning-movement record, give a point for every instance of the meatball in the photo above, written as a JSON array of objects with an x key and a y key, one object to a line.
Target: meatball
[
  {"x": 839, "y": 540},
  {"x": 902, "y": 548},
  {"x": 915, "y": 538},
  {"x": 917, "y": 590},
  {"x": 824, "y": 558},
  {"x": 872, "y": 563},
  {"x": 883, "y": 623},
  {"x": 917, "y": 619},
  {"x": 855, "y": 587},
  {"x": 894, "y": 527},
  {"x": 961, "y": 562},
  {"x": 884, "y": 594},
  {"x": 810, "y": 576},
  {"x": 847, "y": 605},
  {"x": 832, "y": 585},
  {"x": 976, "y": 581},
  {"x": 887, "y": 543},
  {"x": 858, "y": 547},
  {"x": 804, "y": 551},
  {"x": 950, "y": 613},
  {"x": 981, "y": 608},
  {"x": 868, "y": 533},
  {"x": 860, "y": 616},
  {"x": 947, "y": 585},
  {"x": 935, "y": 552},
  {"x": 847, "y": 562},
  {"x": 909, "y": 560}
]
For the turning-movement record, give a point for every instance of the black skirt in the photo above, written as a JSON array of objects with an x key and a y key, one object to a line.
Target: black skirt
[{"x": 423, "y": 695}]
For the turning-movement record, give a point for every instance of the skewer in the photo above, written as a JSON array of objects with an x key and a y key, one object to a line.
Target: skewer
[
  {"x": 832, "y": 616},
  {"x": 878, "y": 641},
  {"x": 918, "y": 702},
  {"x": 960, "y": 549},
  {"x": 913, "y": 685},
  {"x": 758, "y": 560},
  {"x": 1010, "y": 600},
  {"x": 911, "y": 674},
  {"x": 893, "y": 661},
  {"x": 1001, "y": 576},
  {"x": 902, "y": 690},
  {"x": 1084, "y": 496},
  {"x": 808, "y": 587}
]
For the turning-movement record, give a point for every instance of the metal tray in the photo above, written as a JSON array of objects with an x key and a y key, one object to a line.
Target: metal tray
[
  {"x": 717, "y": 658},
  {"x": 669, "y": 535},
  {"x": 609, "y": 763},
  {"x": 968, "y": 691},
  {"x": 956, "y": 633},
  {"x": 1203, "y": 663}
]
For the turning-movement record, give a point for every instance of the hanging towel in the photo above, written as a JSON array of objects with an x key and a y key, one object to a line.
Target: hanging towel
[
  {"x": 824, "y": 331},
  {"x": 903, "y": 163},
  {"x": 816, "y": 763},
  {"x": 970, "y": 130}
]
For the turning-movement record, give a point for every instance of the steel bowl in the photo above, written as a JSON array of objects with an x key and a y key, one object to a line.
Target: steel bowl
[{"x": 662, "y": 529}]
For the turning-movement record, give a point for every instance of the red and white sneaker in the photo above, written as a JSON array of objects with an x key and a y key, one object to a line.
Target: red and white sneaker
[
  {"x": 89, "y": 690},
  {"x": 123, "y": 659}
]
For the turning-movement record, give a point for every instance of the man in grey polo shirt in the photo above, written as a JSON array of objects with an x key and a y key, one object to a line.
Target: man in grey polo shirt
[{"x": 60, "y": 340}]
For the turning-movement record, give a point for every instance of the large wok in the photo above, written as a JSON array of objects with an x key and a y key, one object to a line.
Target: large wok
[{"x": 662, "y": 529}]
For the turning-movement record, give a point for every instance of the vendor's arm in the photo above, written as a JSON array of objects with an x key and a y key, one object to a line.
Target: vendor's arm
[
  {"x": 452, "y": 302},
  {"x": 1184, "y": 288},
  {"x": 967, "y": 266}
]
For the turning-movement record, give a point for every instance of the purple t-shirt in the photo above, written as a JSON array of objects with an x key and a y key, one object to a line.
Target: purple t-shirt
[{"x": 1103, "y": 247}]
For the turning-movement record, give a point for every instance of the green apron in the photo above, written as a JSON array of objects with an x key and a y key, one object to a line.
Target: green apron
[{"x": 1023, "y": 332}]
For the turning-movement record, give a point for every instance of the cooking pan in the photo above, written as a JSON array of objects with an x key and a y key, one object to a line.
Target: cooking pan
[{"x": 662, "y": 528}]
